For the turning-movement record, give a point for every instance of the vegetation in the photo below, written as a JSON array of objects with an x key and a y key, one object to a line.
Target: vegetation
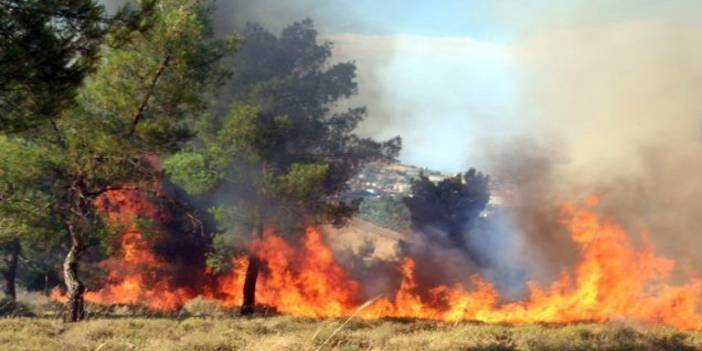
[
  {"x": 137, "y": 103},
  {"x": 451, "y": 206},
  {"x": 280, "y": 155},
  {"x": 46, "y": 50},
  {"x": 386, "y": 211},
  {"x": 47, "y": 47},
  {"x": 286, "y": 333},
  {"x": 92, "y": 103}
]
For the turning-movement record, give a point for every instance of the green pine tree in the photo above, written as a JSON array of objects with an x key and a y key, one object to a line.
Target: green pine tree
[
  {"x": 151, "y": 83},
  {"x": 281, "y": 155}
]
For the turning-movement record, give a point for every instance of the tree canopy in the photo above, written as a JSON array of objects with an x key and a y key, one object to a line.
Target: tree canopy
[
  {"x": 110, "y": 98},
  {"x": 281, "y": 153},
  {"x": 445, "y": 211},
  {"x": 47, "y": 47},
  {"x": 139, "y": 102},
  {"x": 281, "y": 132}
]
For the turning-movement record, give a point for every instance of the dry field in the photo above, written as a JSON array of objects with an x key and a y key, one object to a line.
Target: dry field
[
  {"x": 287, "y": 333},
  {"x": 203, "y": 325}
]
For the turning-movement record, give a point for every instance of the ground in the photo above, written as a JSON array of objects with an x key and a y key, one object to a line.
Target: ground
[{"x": 288, "y": 333}]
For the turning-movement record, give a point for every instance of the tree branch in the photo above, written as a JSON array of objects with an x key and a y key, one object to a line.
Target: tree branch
[
  {"x": 111, "y": 188},
  {"x": 139, "y": 113}
]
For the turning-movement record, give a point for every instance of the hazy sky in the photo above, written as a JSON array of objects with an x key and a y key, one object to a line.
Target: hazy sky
[{"x": 599, "y": 79}]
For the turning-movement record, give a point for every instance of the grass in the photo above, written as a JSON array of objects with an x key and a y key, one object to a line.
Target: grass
[
  {"x": 203, "y": 325},
  {"x": 288, "y": 333}
]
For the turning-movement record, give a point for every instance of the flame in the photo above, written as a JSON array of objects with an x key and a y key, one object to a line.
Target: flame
[
  {"x": 302, "y": 282},
  {"x": 135, "y": 276},
  {"x": 613, "y": 280}
]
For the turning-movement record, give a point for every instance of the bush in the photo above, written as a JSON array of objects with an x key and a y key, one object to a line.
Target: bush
[
  {"x": 10, "y": 308},
  {"x": 201, "y": 307}
]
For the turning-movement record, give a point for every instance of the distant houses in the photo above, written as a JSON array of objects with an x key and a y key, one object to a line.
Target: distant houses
[{"x": 380, "y": 179}]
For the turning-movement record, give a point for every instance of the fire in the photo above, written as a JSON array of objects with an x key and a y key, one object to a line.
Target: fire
[
  {"x": 614, "y": 279},
  {"x": 303, "y": 282},
  {"x": 134, "y": 276}
]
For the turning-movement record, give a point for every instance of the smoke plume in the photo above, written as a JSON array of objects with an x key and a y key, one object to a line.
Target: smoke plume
[
  {"x": 613, "y": 111},
  {"x": 579, "y": 103}
]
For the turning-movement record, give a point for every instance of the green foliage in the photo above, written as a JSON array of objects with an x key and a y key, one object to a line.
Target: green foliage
[
  {"x": 452, "y": 205},
  {"x": 387, "y": 212},
  {"x": 155, "y": 77},
  {"x": 189, "y": 169},
  {"x": 25, "y": 207},
  {"x": 276, "y": 151},
  {"x": 27, "y": 225},
  {"x": 224, "y": 245},
  {"x": 302, "y": 180},
  {"x": 47, "y": 47}
]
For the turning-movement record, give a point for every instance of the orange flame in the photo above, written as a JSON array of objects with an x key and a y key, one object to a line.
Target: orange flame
[
  {"x": 614, "y": 280},
  {"x": 133, "y": 276},
  {"x": 306, "y": 282}
]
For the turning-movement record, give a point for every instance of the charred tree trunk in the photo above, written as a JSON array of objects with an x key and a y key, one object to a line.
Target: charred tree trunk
[
  {"x": 247, "y": 308},
  {"x": 74, "y": 287},
  {"x": 10, "y": 272}
]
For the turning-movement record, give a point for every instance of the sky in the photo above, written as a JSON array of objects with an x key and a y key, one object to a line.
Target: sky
[
  {"x": 460, "y": 80},
  {"x": 454, "y": 76}
]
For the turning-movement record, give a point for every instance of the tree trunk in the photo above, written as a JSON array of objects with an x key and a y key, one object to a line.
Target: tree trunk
[
  {"x": 74, "y": 287},
  {"x": 247, "y": 307},
  {"x": 10, "y": 271},
  {"x": 249, "y": 304}
]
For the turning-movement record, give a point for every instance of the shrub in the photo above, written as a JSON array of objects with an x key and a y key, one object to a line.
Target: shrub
[
  {"x": 201, "y": 307},
  {"x": 10, "y": 308}
]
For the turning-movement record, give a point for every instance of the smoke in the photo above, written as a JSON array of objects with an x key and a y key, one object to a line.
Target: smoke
[
  {"x": 442, "y": 94},
  {"x": 610, "y": 110},
  {"x": 373, "y": 55},
  {"x": 597, "y": 107},
  {"x": 582, "y": 102},
  {"x": 347, "y": 29},
  {"x": 607, "y": 92},
  {"x": 528, "y": 186},
  {"x": 663, "y": 199},
  {"x": 274, "y": 15},
  {"x": 495, "y": 252}
]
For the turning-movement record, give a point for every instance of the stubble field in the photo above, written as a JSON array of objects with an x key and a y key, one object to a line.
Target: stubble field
[{"x": 288, "y": 333}]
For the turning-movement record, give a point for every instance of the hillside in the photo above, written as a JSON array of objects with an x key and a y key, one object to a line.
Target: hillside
[{"x": 360, "y": 235}]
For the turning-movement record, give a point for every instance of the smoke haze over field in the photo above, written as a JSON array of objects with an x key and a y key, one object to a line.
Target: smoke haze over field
[{"x": 561, "y": 99}]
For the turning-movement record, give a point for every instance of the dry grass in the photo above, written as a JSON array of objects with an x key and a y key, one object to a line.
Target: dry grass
[{"x": 287, "y": 333}]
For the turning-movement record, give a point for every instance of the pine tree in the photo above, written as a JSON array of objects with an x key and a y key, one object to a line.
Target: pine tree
[
  {"x": 281, "y": 154},
  {"x": 152, "y": 82}
]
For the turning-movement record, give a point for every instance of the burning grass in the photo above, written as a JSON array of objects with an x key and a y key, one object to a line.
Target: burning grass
[
  {"x": 291, "y": 333},
  {"x": 614, "y": 280}
]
